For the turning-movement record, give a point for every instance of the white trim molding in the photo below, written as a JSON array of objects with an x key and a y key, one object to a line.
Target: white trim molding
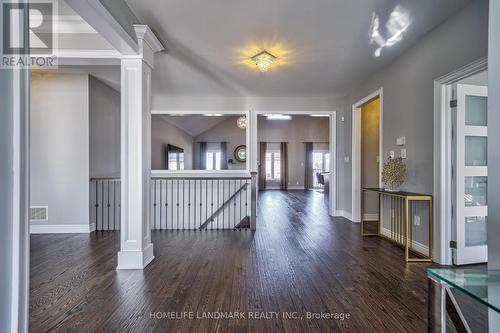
[
  {"x": 145, "y": 34},
  {"x": 343, "y": 213},
  {"x": 149, "y": 44},
  {"x": 103, "y": 21},
  {"x": 62, "y": 228},
  {"x": 356, "y": 150},
  {"x": 72, "y": 24}
]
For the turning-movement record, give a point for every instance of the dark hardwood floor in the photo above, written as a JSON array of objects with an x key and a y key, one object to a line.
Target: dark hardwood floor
[{"x": 299, "y": 260}]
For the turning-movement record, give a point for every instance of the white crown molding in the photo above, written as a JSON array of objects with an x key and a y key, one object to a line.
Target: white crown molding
[
  {"x": 467, "y": 70},
  {"x": 144, "y": 33}
]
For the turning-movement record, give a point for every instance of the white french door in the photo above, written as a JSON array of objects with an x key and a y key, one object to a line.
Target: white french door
[{"x": 471, "y": 179}]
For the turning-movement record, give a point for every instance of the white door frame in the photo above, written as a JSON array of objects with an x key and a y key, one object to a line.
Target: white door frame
[
  {"x": 332, "y": 146},
  {"x": 356, "y": 150},
  {"x": 442, "y": 158}
]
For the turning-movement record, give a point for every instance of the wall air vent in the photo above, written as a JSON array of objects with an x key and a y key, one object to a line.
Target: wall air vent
[{"x": 39, "y": 213}]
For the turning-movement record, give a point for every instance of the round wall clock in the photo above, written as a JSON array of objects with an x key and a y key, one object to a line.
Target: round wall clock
[{"x": 240, "y": 153}]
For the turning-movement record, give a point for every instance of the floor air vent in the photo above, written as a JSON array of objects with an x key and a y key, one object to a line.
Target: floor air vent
[{"x": 39, "y": 213}]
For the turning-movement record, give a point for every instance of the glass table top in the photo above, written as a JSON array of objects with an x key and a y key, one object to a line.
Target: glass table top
[{"x": 481, "y": 285}]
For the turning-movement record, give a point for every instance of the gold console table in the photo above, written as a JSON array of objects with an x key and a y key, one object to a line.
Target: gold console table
[{"x": 400, "y": 232}]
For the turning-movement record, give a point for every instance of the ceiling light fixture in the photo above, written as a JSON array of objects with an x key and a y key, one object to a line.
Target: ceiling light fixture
[
  {"x": 263, "y": 60},
  {"x": 242, "y": 122},
  {"x": 213, "y": 114},
  {"x": 278, "y": 117},
  {"x": 320, "y": 115}
]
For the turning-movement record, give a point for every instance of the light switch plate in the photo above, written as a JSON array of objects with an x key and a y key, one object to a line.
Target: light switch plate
[
  {"x": 403, "y": 153},
  {"x": 346, "y": 159},
  {"x": 342, "y": 119},
  {"x": 401, "y": 141},
  {"x": 392, "y": 154}
]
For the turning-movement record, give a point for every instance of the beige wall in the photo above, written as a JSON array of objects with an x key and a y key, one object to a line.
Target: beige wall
[{"x": 370, "y": 120}]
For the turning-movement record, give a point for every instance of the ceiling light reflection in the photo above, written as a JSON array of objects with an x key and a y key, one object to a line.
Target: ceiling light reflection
[{"x": 396, "y": 25}]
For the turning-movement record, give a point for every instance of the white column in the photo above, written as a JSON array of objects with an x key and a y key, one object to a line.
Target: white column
[{"x": 136, "y": 248}]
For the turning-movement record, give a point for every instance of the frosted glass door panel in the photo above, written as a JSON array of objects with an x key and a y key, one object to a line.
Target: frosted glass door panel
[
  {"x": 476, "y": 111},
  {"x": 476, "y": 191},
  {"x": 476, "y": 150},
  {"x": 475, "y": 230}
]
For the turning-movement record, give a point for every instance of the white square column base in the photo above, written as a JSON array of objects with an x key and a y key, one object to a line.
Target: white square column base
[{"x": 135, "y": 259}]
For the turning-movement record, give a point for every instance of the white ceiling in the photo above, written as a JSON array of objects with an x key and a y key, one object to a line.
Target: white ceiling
[
  {"x": 324, "y": 45},
  {"x": 194, "y": 125}
]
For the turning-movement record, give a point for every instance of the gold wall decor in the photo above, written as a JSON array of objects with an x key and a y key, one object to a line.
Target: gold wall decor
[{"x": 394, "y": 172}]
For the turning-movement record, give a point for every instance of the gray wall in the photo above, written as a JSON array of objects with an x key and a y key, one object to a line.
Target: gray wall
[
  {"x": 226, "y": 131},
  {"x": 408, "y": 93},
  {"x": 296, "y": 131},
  {"x": 6, "y": 204},
  {"x": 163, "y": 133},
  {"x": 494, "y": 137},
  {"x": 104, "y": 129},
  {"x": 60, "y": 147}
]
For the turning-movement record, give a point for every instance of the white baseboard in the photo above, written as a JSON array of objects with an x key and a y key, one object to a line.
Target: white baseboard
[
  {"x": 416, "y": 246},
  {"x": 62, "y": 228},
  {"x": 344, "y": 213},
  {"x": 290, "y": 188},
  {"x": 370, "y": 217},
  {"x": 135, "y": 259},
  {"x": 295, "y": 187}
]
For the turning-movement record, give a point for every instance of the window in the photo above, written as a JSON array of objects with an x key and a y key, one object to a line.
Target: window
[
  {"x": 273, "y": 165},
  {"x": 213, "y": 160},
  {"x": 176, "y": 161},
  {"x": 321, "y": 164}
]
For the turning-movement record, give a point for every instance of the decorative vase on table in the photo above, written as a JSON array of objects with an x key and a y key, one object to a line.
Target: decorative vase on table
[{"x": 393, "y": 173}]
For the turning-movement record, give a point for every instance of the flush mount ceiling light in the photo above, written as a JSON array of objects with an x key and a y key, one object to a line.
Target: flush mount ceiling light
[
  {"x": 278, "y": 117},
  {"x": 263, "y": 60},
  {"x": 213, "y": 114},
  {"x": 320, "y": 115},
  {"x": 242, "y": 122}
]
